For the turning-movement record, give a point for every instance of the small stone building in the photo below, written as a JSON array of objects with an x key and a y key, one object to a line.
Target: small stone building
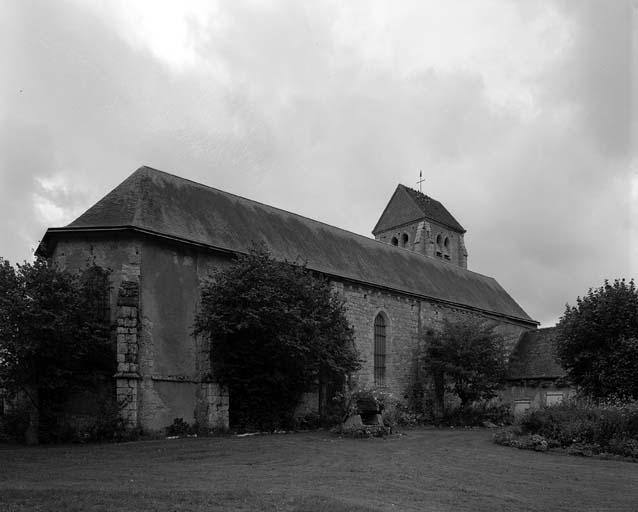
[
  {"x": 535, "y": 378},
  {"x": 160, "y": 235}
]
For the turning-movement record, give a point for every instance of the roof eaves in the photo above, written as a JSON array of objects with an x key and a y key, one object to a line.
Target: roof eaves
[
  {"x": 204, "y": 245},
  {"x": 375, "y": 229}
]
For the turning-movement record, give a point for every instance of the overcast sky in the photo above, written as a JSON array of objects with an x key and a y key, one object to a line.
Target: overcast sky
[{"x": 520, "y": 115}]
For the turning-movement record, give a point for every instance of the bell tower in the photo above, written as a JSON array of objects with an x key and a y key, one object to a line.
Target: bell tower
[{"x": 419, "y": 223}]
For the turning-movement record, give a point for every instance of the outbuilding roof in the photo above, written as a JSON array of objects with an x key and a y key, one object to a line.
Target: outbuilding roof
[
  {"x": 408, "y": 205},
  {"x": 534, "y": 356},
  {"x": 161, "y": 204}
]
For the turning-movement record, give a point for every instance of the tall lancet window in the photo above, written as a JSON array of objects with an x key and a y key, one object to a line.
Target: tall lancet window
[{"x": 379, "y": 349}]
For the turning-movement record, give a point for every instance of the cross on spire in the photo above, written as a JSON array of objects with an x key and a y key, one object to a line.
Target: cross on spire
[{"x": 421, "y": 180}]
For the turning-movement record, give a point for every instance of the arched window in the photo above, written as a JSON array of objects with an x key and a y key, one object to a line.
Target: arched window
[
  {"x": 379, "y": 349},
  {"x": 404, "y": 239},
  {"x": 439, "y": 248},
  {"x": 447, "y": 243},
  {"x": 395, "y": 240}
]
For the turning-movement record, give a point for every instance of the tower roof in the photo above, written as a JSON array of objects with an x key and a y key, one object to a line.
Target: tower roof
[
  {"x": 158, "y": 204},
  {"x": 408, "y": 205}
]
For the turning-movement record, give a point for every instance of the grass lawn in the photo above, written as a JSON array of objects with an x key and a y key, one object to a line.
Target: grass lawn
[{"x": 425, "y": 470}]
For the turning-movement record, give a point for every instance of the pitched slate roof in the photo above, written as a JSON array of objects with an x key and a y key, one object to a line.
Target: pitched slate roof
[
  {"x": 407, "y": 205},
  {"x": 534, "y": 356},
  {"x": 165, "y": 205}
]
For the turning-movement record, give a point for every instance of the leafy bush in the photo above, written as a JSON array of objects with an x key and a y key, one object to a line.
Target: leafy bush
[
  {"x": 54, "y": 339},
  {"x": 581, "y": 428},
  {"x": 578, "y": 422},
  {"x": 477, "y": 414},
  {"x": 14, "y": 424},
  {"x": 597, "y": 341},
  {"x": 276, "y": 330},
  {"x": 181, "y": 428},
  {"x": 508, "y": 437},
  {"x": 467, "y": 359},
  {"x": 393, "y": 412},
  {"x": 362, "y": 432},
  {"x": 309, "y": 421}
]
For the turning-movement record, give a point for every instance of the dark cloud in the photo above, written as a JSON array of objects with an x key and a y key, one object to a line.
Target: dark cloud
[{"x": 277, "y": 109}]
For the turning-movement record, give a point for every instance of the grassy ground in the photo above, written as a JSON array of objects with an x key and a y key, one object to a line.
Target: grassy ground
[{"x": 425, "y": 470}]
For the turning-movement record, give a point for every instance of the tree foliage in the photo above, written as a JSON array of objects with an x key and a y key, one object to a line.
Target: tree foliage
[
  {"x": 276, "y": 330},
  {"x": 52, "y": 341},
  {"x": 597, "y": 341},
  {"x": 466, "y": 358}
]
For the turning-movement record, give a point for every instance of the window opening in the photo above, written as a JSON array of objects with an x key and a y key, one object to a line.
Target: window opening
[
  {"x": 96, "y": 287},
  {"x": 553, "y": 398},
  {"x": 379, "y": 349},
  {"x": 520, "y": 406}
]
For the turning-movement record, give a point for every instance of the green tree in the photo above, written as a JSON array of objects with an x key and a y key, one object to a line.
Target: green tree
[
  {"x": 597, "y": 341},
  {"x": 466, "y": 358},
  {"x": 276, "y": 331},
  {"x": 52, "y": 340}
]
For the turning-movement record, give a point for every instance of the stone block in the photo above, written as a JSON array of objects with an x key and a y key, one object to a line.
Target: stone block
[
  {"x": 127, "y": 312},
  {"x": 353, "y": 422}
]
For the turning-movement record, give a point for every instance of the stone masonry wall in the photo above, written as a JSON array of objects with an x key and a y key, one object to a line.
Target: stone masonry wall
[
  {"x": 408, "y": 320},
  {"x": 121, "y": 258},
  {"x": 177, "y": 380},
  {"x": 422, "y": 236},
  {"x": 127, "y": 376},
  {"x": 164, "y": 372}
]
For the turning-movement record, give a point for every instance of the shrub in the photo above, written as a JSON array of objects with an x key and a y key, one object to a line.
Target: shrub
[
  {"x": 393, "y": 411},
  {"x": 597, "y": 340},
  {"x": 363, "y": 432},
  {"x": 309, "y": 421},
  {"x": 580, "y": 427},
  {"x": 466, "y": 358},
  {"x": 477, "y": 414},
  {"x": 54, "y": 340},
  {"x": 624, "y": 447},
  {"x": 276, "y": 330},
  {"x": 181, "y": 428},
  {"x": 14, "y": 423}
]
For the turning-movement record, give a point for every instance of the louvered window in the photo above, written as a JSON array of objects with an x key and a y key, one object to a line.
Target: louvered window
[{"x": 379, "y": 349}]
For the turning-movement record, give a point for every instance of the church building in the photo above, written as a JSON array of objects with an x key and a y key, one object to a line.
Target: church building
[{"x": 160, "y": 235}]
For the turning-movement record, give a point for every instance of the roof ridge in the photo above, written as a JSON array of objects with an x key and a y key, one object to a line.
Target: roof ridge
[
  {"x": 410, "y": 189},
  {"x": 367, "y": 238}
]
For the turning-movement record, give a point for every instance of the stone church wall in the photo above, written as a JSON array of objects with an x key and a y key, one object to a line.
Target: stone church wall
[
  {"x": 408, "y": 319},
  {"x": 121, "y": 258},
  {"x": 165, "y": 373},
  {"x": 175, "y": 365}
]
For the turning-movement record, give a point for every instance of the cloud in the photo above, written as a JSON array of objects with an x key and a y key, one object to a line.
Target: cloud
[{"x": 515, "y": 112}]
